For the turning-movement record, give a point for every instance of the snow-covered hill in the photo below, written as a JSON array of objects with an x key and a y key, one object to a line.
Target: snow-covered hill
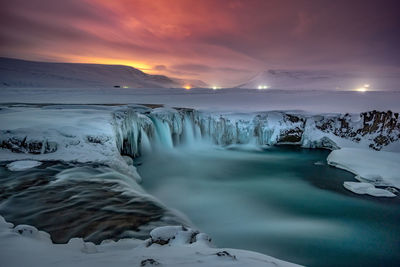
[
  {"x": 22, "y": 73},
  {"x": 320, "y": 80}
]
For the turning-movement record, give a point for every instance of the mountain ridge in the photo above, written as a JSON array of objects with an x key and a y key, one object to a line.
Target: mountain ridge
[{"x": 26, "y": 73}]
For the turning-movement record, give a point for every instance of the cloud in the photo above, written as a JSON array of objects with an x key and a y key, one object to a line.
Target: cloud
[
  {"x": 210, "y": 40},
  {"x": 160, "y": 67},
  {"x": 192, "y": 67}
]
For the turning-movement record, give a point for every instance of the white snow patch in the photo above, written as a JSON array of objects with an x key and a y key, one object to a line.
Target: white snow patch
[
  {"x": 372, "y": 168},
  {"x": 380, "y": 168},
  {"x": 22, "y": 165},
  {"x": 26, "y": 246},
  {"x": 367, "y": 188}
]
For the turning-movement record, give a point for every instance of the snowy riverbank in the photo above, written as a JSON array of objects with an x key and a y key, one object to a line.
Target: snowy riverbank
[{"x": 24, "y": 245}]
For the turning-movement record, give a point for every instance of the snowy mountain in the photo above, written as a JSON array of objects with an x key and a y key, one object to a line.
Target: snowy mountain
[
  {"x": 320, "y": 80},
  {"x": 22, "y": 73}
]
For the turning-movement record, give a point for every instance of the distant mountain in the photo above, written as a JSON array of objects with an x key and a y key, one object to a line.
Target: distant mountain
[
  {"x": 23, "y": 73},
  {"x": 321, "y": 80}
]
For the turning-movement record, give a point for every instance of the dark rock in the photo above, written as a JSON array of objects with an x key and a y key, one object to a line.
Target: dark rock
[
  {"x": 148, "y": 262},
  {"x": 23, "y": 145},
  {"x": 225, "y": 254}
]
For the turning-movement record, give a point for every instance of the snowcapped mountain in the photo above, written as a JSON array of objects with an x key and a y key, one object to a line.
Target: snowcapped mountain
[
  {"x": 22, "y": 73},
  {"x": 320, "y": 80}
]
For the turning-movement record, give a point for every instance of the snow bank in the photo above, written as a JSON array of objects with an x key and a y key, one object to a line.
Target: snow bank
[
  {"x": 377, "y": 168},
  {"x": 367, "y": 188},
  {"x": 380, "y": 168},
  {"x": 22, "y": 165},
  {"x": 167, "y": 246},
  {"x": 64, "y": 133}
]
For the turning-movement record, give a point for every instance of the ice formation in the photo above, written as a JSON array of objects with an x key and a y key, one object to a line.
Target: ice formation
[
  {"x": 107, "y": 134},
  {"x": 367, "y": 188},
  {"x": 22, "y": 165}
]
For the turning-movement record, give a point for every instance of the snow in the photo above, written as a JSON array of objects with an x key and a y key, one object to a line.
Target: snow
[
  {"x": 22, "y": 73},
  {"x": 22, "y": 245},
  {"x": 372, "y": 168},
  {"x": 367, "y": 188},
  {"x": 321, "y": 80},
  {"x": 80, "y": 134},
  {"x": 238, "y": 100},
  {"x": 22, "y": 165}
]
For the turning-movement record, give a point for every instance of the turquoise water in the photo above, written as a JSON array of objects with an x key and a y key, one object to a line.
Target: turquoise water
[{"x": 277, "y": 202}]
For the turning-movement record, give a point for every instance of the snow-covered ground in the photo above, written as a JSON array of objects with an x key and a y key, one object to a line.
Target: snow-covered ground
[
  {"x": 24, "y": 245},
  {"x": 23, "y": 73},
  {"x": 372, "y": 168},
  {"x": 238, "y": 100}
]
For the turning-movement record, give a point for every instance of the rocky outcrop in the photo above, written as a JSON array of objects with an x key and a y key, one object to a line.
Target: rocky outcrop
[
  {"x": 25, "y": 145},
  {"x": 378, "y": 128}
]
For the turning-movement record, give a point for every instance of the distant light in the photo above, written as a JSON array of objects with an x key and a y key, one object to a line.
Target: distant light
[
  {"x": 361, "y": 89},
  {"x": 187, "y": 87},
  {"x": 260, "y": 87},
  {"x": 125, "y": 86},
  {"x": 215, "y": 87},
  {"x": 366, "y": 85},
  {"x": 263, "y": 87}
]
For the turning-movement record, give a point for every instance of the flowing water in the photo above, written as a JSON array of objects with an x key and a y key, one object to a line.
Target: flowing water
[
  {"x": 284, "y": 202},
  {"x": 90, "y": 201}
]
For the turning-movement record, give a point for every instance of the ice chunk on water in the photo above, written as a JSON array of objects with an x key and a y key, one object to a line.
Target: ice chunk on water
[
  {"x": 367, "y": 188},
  {"x": 22, "y": 165}
]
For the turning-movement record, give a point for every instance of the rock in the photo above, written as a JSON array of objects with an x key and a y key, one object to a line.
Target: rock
[
  {"x": 226, "y": 254},
  {"x": 149, "y": 262},
  {"x": 24, "y": 145}
]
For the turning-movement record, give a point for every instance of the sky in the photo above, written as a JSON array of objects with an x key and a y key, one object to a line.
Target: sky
[{"x": 222, "y": 42}]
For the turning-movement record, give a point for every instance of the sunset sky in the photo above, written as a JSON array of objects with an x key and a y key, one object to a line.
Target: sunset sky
[{"x": 219, "y": 41}]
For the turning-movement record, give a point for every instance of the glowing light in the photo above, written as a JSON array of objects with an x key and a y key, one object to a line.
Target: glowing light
[
  {"x": 215, "y": 87},
  {"x": 263, "y": 87},
  {"x": 363, "y": 88},
  {"x": 187, "y": 87},
  {"x": 111, "y": 61},
  {"x": 125, "y": 86}
]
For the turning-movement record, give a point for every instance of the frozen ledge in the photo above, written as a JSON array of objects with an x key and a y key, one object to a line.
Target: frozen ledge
[
  {"x": 372, "y": 168},
  {"x": 24, "y": 245},
  {"x": 368, "y": 189},
  {"x": 22, "y": 165}
]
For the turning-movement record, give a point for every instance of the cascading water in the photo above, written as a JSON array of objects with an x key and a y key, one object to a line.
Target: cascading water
[
  {"x": 163, "y": 133},
  {"x": 188, "y": 131},
  {"x": 145, "y": 145}
]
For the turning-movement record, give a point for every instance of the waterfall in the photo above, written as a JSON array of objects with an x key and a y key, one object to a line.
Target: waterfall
[
  {"x": 139, "y": 131},
  {"x": 163, "y": 133},
  {"x": 188, "y": 131},
  {"x": 145, "y": 145}
]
